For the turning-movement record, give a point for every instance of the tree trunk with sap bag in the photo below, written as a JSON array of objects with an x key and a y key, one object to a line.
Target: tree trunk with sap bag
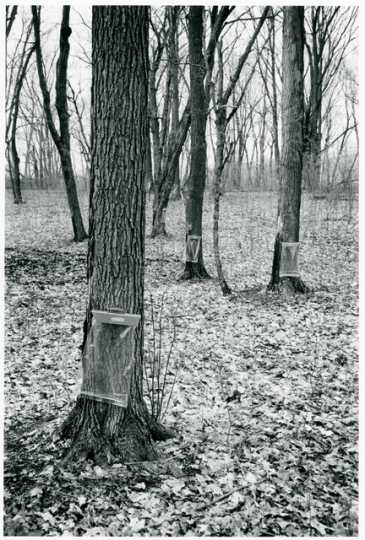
[
  {"x": 194, "y": 189},
  {"x": 102, "y": 425},
  {"x": 287, "y": 238}
]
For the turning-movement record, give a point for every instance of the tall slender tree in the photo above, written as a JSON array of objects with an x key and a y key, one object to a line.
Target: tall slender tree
[
  {"x": 165, "y": 180},
  {"x": 194, "y": 265},
  {"x": 292, "y": 111},
  {"x": 221, "y": 122},
  {"x": 119, "y": 132},
  {"x": 13, "y": 113},
  {"x": 61, "y": 138},
  {"x": 201, "y": 69},
  {"x": 330, "y": 33}
]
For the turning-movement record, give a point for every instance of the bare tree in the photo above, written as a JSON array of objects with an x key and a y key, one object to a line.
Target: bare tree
[
  {"x": 292, "y": 147},
  {"x": 330, "y": 33},
  {"x": 221, "y": 121},
  {"x": 201, "y": 69},
  {"x": 13, "y": 113},
  {"x": 10, "y": 18},
  {"x": 100, "y": 426},
  {"x": 61, "y": 138}
]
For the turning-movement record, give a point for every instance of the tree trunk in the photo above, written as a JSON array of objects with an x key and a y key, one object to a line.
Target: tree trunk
[
  {"x": 102, "y": 429},
  {"x": 274, "y": 101},
  {"x": 14, "y": 112},
  {"x": 220, "y": 123},
  {"x": 61, "y": 139},
  {"x": 167, "y": 179},
  {"x": 173, "y": 58},
  {"x": 292, "y": 142},
  {"x": 194, "y": 192}
]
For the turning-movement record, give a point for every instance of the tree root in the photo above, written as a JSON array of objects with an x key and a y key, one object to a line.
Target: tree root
[
  {"x": 106, "y": 433},
  {"x": 288, "y": 284},
  {"x": 194, "y": 270},
  {"x": 160, "y": 232}
]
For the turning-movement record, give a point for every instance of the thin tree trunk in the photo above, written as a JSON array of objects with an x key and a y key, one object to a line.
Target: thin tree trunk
[
  {"x": 61, "y": 139},
  {"x": 194, "y": 267},
  {"x": 220, "y": 124},
  {"x": 173, "y": 56},
  {"x": 14, "y": 112}
]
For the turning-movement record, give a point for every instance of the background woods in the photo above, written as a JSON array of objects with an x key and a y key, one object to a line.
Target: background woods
[{"x": 181, "y": 354}]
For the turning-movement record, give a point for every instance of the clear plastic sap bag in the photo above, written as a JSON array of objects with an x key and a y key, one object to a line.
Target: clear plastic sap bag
[{"x": 109, "y": 357}]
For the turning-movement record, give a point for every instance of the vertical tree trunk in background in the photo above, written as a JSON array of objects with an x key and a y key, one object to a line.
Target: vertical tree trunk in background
[
  {"x": 313, "y": 114},
  {"x": 194, "y": 191},
  {"x": 167, "y": 175},
  {"x": 292, "y": 142},
  {"x": 220, "y": 126},
  {"x": 275, "y": 120},
  {"x": 173, "y": 59},
  {"x": 117, "y": 223},
  {"x": 10, "y": 17},
  {"x": 262, "y": 140},
  {"x": 12, "y": 152},
  {"x": 149, "y": 173},
  {"x": 61, "y": 139}
]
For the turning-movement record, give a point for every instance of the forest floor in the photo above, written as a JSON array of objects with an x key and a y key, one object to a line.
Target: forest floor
[{"x": 265, "y": 403}]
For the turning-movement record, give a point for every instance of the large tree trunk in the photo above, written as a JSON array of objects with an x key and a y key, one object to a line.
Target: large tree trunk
[
  {"x": 61, "y": 139},
  {"x": 292, "y": 142},
  {"x": 194, "y": 190},
  {"x": 97, "y": 428}
]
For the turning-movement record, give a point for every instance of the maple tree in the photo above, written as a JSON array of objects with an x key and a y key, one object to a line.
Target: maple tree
[
  {"x": 98, "y": 426},
  {"x": 291, "y": 165}
]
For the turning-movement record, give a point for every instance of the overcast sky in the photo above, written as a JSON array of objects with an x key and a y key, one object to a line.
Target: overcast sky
[{"x": 80, "y": 41}]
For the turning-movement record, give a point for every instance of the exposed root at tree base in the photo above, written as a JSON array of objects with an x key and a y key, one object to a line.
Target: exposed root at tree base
[
  {"x": 80, "y": 238},
  {"x": 106, "y": 433},
  {"x": 289, "y": 285},
  {"x": 159, "y": 233},
  {"x": 194, "y": 270}
]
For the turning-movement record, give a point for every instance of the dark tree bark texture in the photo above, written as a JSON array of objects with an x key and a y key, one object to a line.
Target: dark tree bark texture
[
  {"x": 292, "y": 142},
  {"x": 119, "y": 137},
  {"x": 196, "y": 183}
]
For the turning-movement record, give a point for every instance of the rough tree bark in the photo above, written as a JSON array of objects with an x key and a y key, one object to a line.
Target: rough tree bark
[
  {"x": 292, "y": 143},
  {"x": 194, "y": 191},
  {"x": 119, "y": 135},
  {"x": 61, "y": 138}
]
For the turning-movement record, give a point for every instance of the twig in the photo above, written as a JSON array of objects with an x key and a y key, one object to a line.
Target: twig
[
  {"x": 226, "y": 495},
  {"x": 221, "y": 498}
]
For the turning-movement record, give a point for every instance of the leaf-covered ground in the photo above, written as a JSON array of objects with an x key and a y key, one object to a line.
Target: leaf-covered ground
[{"x": 265, "y": 404}]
